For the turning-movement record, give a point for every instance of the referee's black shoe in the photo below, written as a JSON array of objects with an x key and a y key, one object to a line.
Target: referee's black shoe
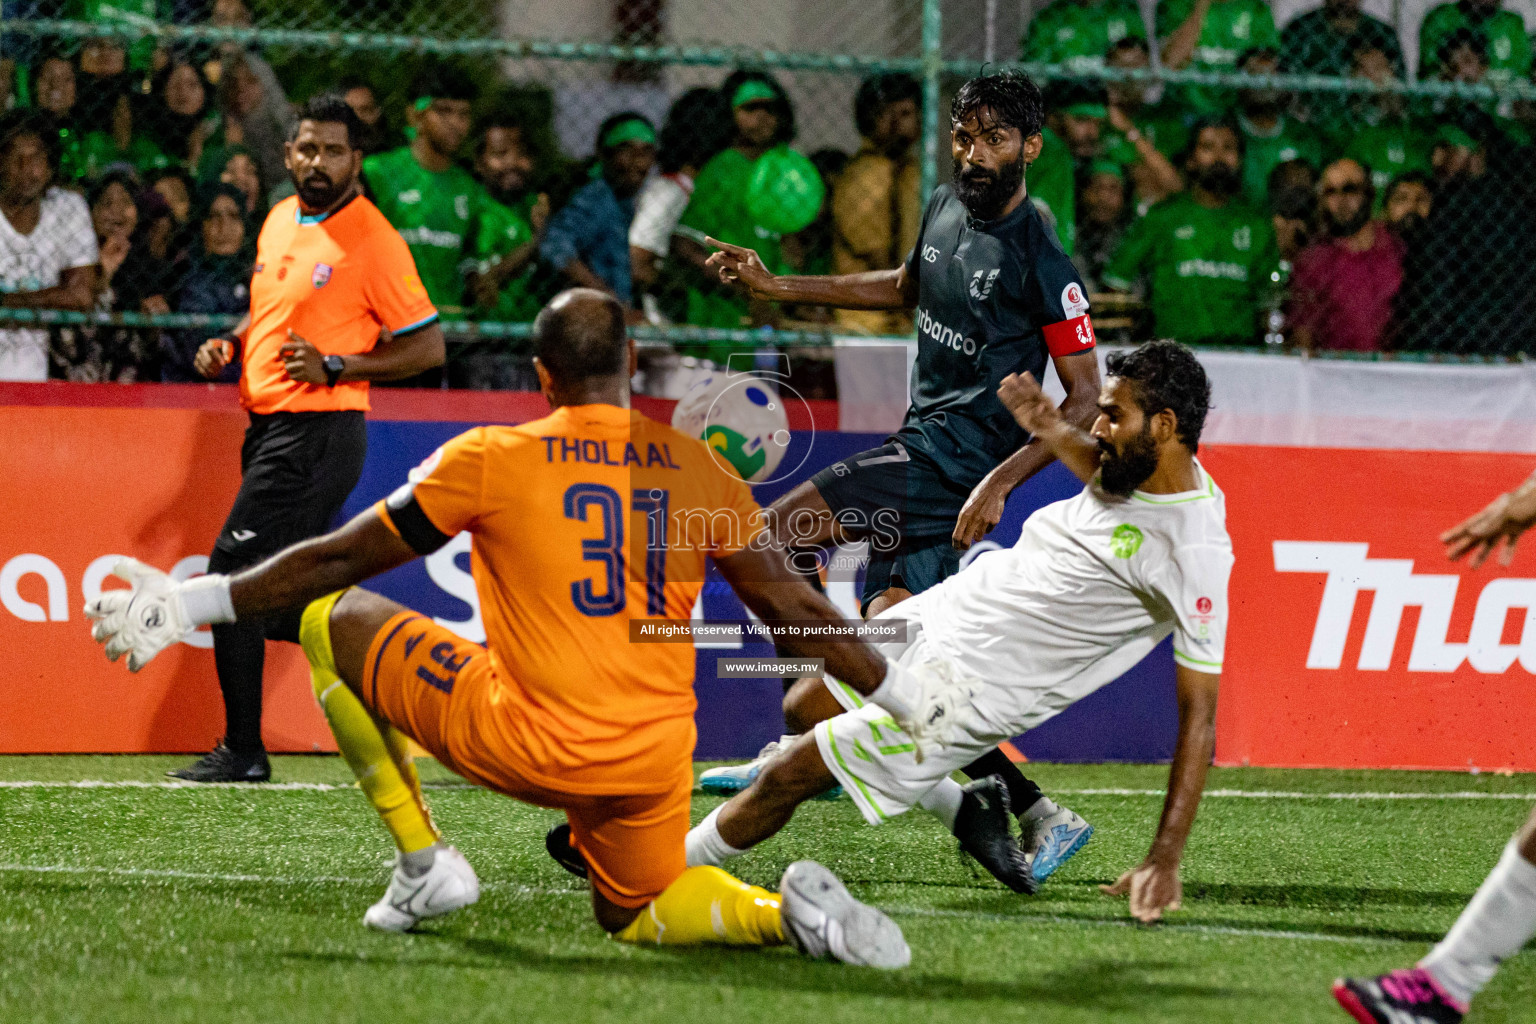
[
  {"x": 983, "y": 826},
  {"x": 558, "y": 843},
  {"x": 224, "y": 765}
]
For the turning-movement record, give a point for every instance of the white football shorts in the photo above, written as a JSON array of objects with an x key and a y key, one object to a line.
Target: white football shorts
[{"x": 873, "y": 757}]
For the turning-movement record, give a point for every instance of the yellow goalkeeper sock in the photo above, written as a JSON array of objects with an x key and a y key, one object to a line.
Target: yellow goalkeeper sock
[
  {"x": 380, "y": 761},
  {"x": 707, "y": 905}
]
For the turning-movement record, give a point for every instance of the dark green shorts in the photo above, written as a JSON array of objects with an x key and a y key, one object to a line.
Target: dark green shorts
[{"x": 898, "y": 499}]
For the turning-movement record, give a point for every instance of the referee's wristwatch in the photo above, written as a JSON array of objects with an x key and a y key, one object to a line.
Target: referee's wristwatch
[{"x": 334, "y": 367}]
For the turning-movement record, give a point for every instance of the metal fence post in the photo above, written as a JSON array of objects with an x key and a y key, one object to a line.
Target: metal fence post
[{"x": 933, "y": 67}]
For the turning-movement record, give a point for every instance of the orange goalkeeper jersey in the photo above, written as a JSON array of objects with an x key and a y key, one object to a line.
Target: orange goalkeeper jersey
[{"x": 581, "y": 523}]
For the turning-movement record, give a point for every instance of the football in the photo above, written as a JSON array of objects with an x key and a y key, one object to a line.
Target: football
[{"x": 740, "y": 418}]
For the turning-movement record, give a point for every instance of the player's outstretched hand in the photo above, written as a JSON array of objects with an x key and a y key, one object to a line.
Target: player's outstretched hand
[
  {"x": 1153, "y": 887},
  {"x": 1021, "y": 395},
  {"x": 982, "y": 510},
  {"x": 1502, "y": 521},
  {"x": 141, "y": 621},
  {"x": 738, "y": 264}
]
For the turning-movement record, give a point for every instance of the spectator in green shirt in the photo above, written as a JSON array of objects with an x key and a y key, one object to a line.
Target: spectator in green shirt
[
  {"x": 1324, "y": 42},
  {"x": 763, "y": 118},
  {"x": 1143, "y": 137},
  {"x": 1271, "y": 136},
  {"x": 1507, "y": 48},
  {"x": 1053, "y": 187},
  {"x": 1208, "y": 259},
  {"x": 1078, "y": 33},
  {"x": 1381, "y": 135},
  {"x": 504, "y": 286},
  {"x": 435, "y": 204},
  {"x": 1210, "y": 35}
]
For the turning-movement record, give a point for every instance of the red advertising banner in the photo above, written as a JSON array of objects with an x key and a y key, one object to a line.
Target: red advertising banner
[
  {"x": 1353, "y": 642},
  {"x": 82, "y": 487}
]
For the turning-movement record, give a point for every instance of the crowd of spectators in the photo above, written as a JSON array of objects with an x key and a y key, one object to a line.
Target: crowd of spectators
[
  {"x": 136, "y": 179},
  {"x": 1359, "y": 221}
]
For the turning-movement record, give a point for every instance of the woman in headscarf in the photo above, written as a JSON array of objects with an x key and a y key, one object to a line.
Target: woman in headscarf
[
  {"x": 173, "y": 121},
  {"x": 217, "y": 279},
  {"x": 236, "y": 165}
]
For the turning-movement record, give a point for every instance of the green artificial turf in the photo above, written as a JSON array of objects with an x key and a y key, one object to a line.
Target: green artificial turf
[{"x": 245, "y": 904}]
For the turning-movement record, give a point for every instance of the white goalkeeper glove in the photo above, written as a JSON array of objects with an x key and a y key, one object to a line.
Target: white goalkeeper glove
[
  {"x": 926, "y": 700},
  {"x": 155, "y": 611}
]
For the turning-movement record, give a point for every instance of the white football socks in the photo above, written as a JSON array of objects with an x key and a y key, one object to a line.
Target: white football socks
[
  {"x": 704, "y": 847},
  {"x": 1499, "y": 921},
  {"x": 943, "y": 802}
]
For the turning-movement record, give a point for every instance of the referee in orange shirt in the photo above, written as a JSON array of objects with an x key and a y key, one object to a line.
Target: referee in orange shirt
[{"x": 335, "y": 303}]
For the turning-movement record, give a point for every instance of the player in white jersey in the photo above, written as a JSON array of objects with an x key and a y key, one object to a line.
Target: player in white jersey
[{"x": 1093, "y": 584}]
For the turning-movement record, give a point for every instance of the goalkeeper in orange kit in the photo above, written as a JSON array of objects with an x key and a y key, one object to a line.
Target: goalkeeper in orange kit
[{"x": 582, "y": 522}]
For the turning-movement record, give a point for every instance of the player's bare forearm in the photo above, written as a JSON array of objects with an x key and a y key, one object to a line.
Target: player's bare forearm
[
  {"x": 403, "y": 356},
  {"x": 361, "y": 549},
  {"x": 762, "y": 578},
  {"x": 1080, "y": 375},
  {"x": 1191, "y": 763},
  {"x": 1054, "y": 428},
  {"x": 873, "y": 289}
]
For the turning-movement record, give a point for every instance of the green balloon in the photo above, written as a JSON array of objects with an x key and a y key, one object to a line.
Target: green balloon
[{"x": 785, "y": 192}]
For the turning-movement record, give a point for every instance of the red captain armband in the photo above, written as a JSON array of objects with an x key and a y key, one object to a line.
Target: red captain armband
[{"x": 1069, "y": 337}]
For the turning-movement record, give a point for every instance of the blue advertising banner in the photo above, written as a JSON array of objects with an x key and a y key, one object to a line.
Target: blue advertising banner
[{"x": 1133, "y": 719}]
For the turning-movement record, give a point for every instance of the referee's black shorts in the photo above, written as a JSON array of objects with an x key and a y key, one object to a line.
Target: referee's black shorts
[{"x": 297, "y": 469}]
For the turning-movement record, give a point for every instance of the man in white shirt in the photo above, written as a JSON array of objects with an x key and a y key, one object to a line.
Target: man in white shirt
[
  {"x": 1092, "y": 586},
  {"x": 47, "y": 246}
]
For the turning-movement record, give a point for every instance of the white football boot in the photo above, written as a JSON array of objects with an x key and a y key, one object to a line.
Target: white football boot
[
  {"x": 821, "y": 918},
  {"x": 448, "y": 885}
]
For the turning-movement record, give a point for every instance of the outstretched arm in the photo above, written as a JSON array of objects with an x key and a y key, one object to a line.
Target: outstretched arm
[
  {"x": 1154, "y": 884},
  {"x": 1503, "y": 520},
  {"x": 1032, "y": 410},
  {"x": 874, "y": 289},
  {"x": 157, "y": 611},
  {"x": 984, "y": 508},
  {"x": 360, "y": 550}
]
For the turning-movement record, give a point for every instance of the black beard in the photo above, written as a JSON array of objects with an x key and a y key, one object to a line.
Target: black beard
[
  {"x": 1409, "y": 226},
  {"x": 1343, "y": 229},
  {"x": 1122, "y": 472},
  {"x": 317, "y": 196},
  {"x": 1220, "y": 179},
  {"x": 985, "y": 194}
]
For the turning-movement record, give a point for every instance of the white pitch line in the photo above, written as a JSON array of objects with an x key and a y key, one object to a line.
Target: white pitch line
[
  {"x": 1270, "y": 794},
  {"x": 1175, "y": 926},
  {"x": 328, "y": 787},
  {"x": 152, "y": 874},
  {"x": 257, "y": 787}
]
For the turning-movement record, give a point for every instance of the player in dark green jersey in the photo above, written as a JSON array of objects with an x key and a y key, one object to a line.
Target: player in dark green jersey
[{"x": 994, "y": 295}]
